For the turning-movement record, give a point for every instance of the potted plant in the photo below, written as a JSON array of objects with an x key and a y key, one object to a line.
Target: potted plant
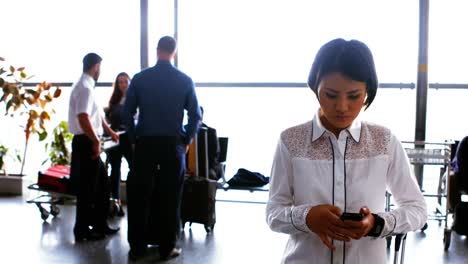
[
  {"x": 59, "y": 147},
  {"x": 28, "y": 103},
  {"x": 3, "y": 153}
]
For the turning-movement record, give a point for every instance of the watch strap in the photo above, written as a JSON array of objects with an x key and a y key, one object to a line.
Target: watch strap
[{"x": 379, "y": 224}]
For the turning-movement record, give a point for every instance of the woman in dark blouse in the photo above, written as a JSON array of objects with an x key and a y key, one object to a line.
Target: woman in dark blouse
[{"x": 124, "y": 148}]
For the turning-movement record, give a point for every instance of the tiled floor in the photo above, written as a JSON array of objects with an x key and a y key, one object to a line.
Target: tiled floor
[{"x": 240, "y": 236}]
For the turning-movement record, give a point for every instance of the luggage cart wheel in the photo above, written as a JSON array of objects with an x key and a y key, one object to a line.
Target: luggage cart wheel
[
  {"x": 209, "y": 228},
  {"x": 54, "y": 210},
  {"x": 44, "y": 213},
  {"x": 447, "y": 237}
]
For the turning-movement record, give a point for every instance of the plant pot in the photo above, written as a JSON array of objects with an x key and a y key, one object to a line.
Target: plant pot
[{"x": 11, "y": 184}]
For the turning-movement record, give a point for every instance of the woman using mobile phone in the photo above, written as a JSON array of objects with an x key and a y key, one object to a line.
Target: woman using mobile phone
[{"x": 336, "y": 163}]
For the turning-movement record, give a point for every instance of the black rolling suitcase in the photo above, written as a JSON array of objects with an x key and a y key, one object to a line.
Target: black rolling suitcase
[
  {"x": 199, "y": 192},
  {"x": 198, "y": 202}
]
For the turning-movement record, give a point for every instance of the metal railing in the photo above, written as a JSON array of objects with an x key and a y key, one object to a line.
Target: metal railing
[{"x": 279, "y": 85}]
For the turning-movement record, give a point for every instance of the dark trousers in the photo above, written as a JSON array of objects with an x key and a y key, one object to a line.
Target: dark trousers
[
  {"x": 91, "y": 186},
  {"x": 115, "y": 155},
  {"x": 154, "y": 190}
]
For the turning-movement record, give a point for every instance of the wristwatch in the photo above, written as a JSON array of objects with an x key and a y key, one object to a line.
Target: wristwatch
[{"x": 379, "y": 224}]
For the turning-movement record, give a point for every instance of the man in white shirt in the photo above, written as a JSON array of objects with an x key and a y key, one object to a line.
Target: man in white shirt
[{"x": 88, "y": 173}]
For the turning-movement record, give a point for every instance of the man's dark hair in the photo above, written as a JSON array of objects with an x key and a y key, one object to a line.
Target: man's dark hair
[
  {"x": 90, "y": 60},
  {"x": 351, "y": 58},
  {"x": 167, "y": 44}
]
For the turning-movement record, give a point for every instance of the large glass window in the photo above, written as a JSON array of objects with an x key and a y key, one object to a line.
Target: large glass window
[
  {"x": 253, "y": 118},
  {"x": 160, "y": 23},
  {"x": 446, "y": 111},
  {"x": 448, "y": 42},
  {"x": 447, "y": 56},
  {"x": 276, "y": 41},
  {"x": 247, "y": 41},
  {"x": 51, "y": 37}
]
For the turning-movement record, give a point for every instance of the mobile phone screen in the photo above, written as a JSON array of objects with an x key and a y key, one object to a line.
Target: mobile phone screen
[{"x": 351, "y": 216}]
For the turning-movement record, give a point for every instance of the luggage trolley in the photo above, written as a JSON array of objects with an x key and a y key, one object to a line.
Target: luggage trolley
[
  {"x": 49, "y": 197},
  {"x": 422, "y": 153},
  {"x": 59, "y": 194}
]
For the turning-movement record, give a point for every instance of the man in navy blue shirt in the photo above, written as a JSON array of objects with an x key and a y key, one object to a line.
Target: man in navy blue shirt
[
  {"x": 161, "y": 94},
  {"x": 460, "y": 165}
]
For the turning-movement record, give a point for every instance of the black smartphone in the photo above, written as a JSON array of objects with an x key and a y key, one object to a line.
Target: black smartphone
[{"x": 351, "y": 216}]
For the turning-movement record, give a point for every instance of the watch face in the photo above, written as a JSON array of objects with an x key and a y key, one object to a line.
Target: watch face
[
  {"x": 380, "y": 222},
  {"x": 378, "y": 229},
  {"x": 378, "y": 226}
]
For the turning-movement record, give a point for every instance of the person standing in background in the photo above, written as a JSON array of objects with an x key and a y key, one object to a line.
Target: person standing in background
[
  {"x": 460, "y": 168},
  {"x": 88, "y": 172},
  {"x": 215, "y": 169},
  {"x": 124, "y": 149},
  {"x": 161, "y": 94}
]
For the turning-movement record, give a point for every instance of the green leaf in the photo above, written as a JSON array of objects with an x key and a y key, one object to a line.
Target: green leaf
[{"x": 42, "y": 135}]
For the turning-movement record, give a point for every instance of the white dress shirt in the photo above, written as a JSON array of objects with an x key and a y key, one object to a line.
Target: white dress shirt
[
  {"x": 312, "y": 167},
  {"x": 82, "y": 101}
]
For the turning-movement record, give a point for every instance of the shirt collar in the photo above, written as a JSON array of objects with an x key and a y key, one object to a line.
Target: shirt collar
[
  {"x": 163, "y": 62},
  {"x": 318, "y": 129},
  {"x": 89, "y": 79}
]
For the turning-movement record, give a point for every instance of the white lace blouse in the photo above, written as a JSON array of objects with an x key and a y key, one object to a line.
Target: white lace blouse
[{"x": 312, "y": 167}]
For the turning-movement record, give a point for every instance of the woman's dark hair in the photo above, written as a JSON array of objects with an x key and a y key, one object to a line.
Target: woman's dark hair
[
  {"x": 351, "y": 58},
  {"x": 116, "y": 96}
]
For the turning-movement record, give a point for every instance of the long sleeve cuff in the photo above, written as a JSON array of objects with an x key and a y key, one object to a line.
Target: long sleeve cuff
[
  {"x": 390, "y": 224},
  {"x": 298, "y": 217}
]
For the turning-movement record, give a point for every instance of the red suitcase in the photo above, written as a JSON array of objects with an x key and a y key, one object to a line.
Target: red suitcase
[{"x": 55, "y": 179}]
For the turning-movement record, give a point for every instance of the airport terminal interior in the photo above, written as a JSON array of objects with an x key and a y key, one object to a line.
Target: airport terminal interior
[
  {"x": 249, "y": 61},
  {"x": 240, "y": 236}
]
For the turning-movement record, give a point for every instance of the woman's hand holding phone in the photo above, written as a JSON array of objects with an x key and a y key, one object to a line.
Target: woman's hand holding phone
[
  {"x": 324, "y": 220},
  {"x": 358, "y": 223}
]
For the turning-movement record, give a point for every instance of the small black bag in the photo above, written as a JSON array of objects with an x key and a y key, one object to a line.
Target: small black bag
[
  {"x": 460, "y": 224},
  {"x": 246, "y": 178}
]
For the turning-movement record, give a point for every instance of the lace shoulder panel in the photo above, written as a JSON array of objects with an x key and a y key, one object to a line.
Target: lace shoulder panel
[
  {"x": 298, "y": 141},
  {"x": 373, "y": 142},
  {"x": 296, "y": 138}
]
